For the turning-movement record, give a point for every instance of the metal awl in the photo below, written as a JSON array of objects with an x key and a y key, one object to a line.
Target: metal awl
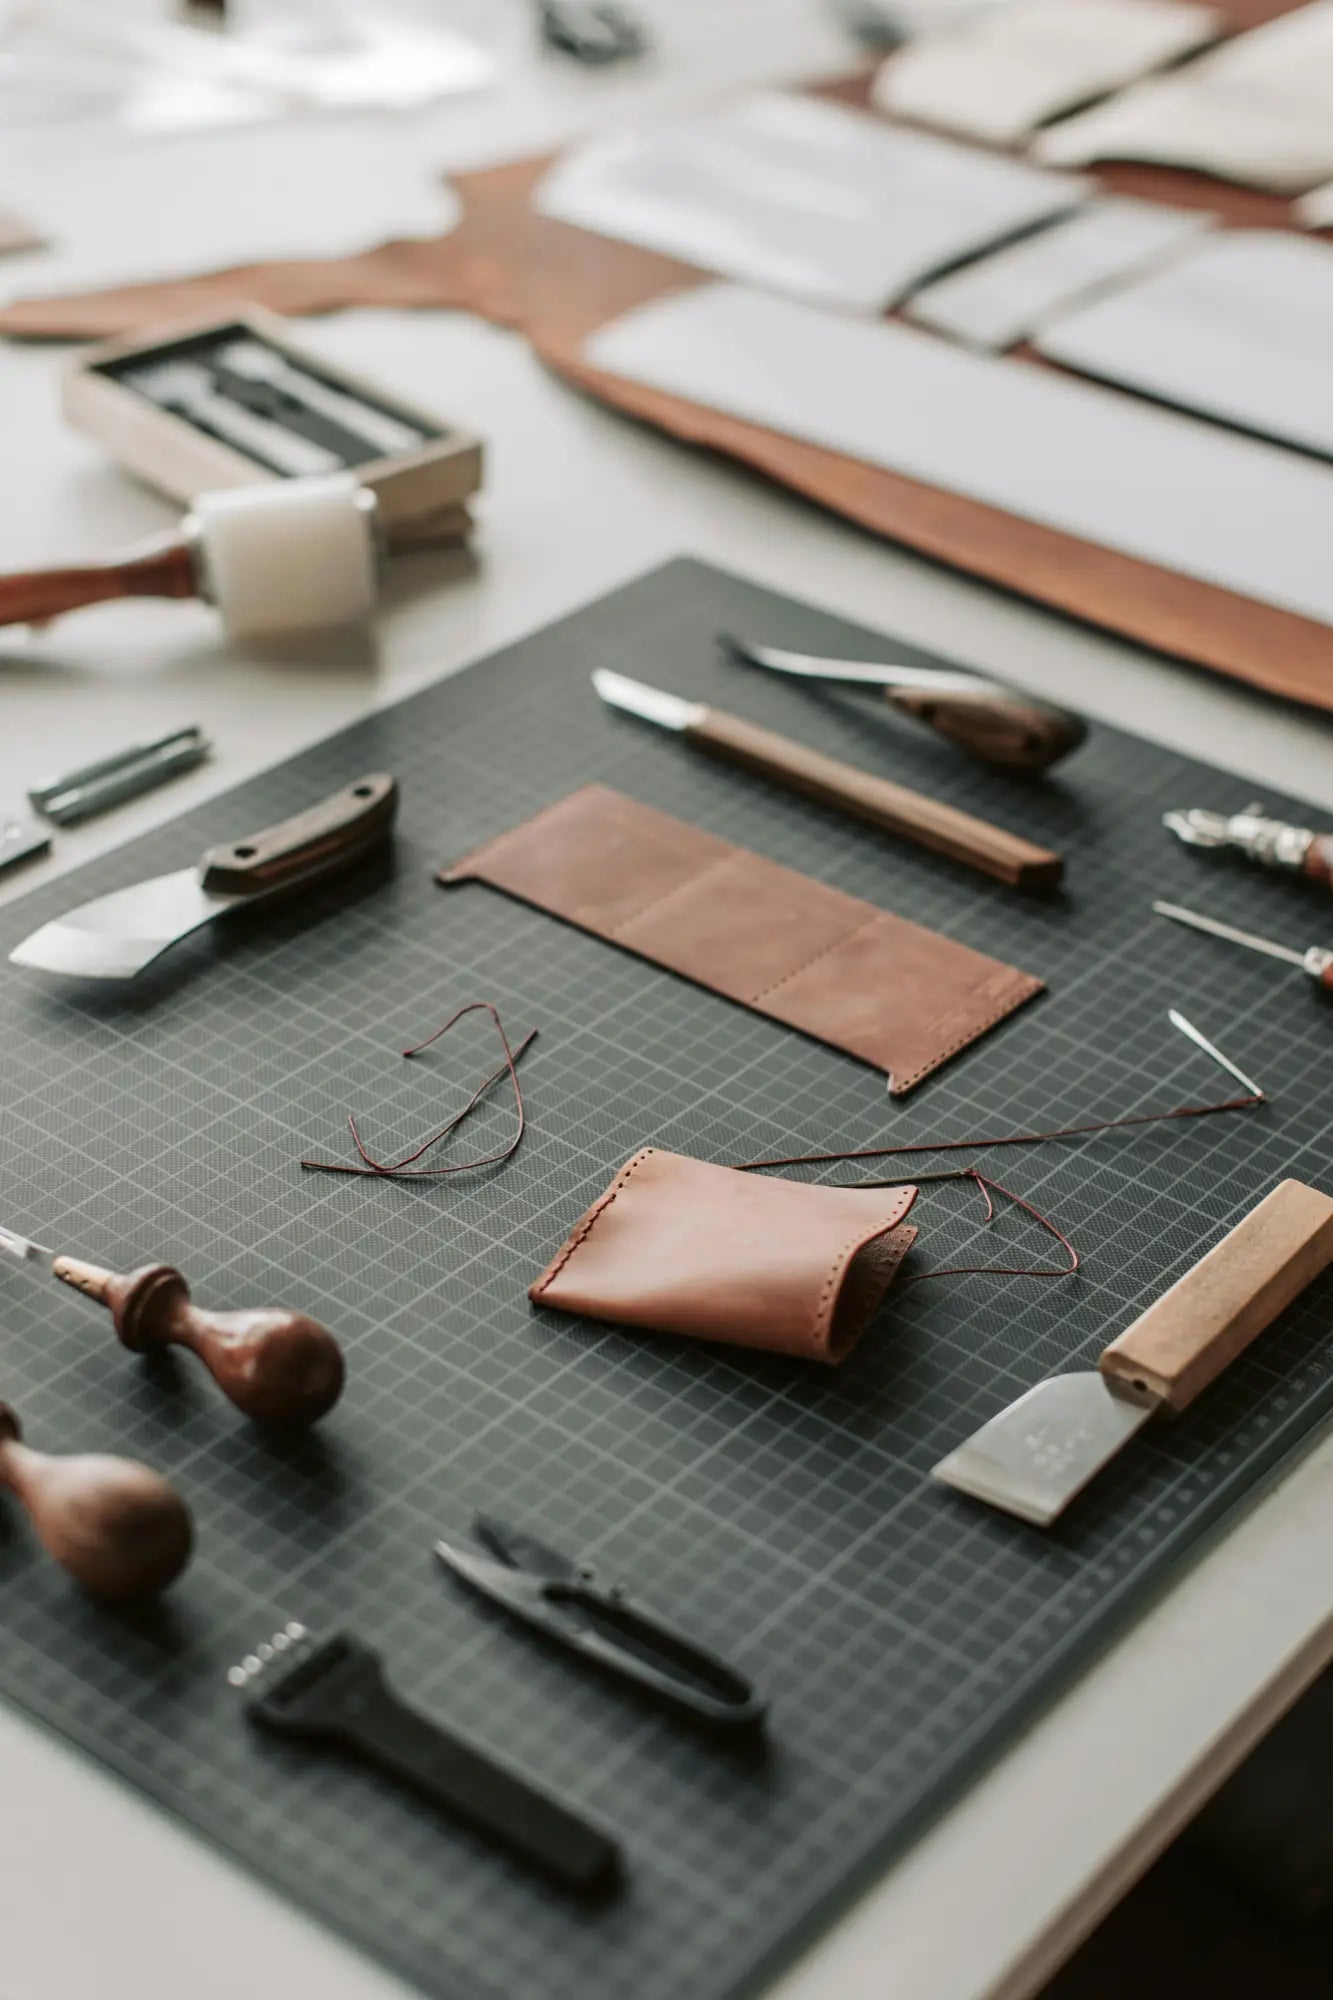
[{"x": 1317, "y": 960}]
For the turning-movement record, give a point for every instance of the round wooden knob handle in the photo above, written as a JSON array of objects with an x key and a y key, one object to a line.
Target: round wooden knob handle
[
  {"x": 280, "y": 1367},
  {"x": 116, "y": 1526},
  {"x": 1017, "y": 732}
]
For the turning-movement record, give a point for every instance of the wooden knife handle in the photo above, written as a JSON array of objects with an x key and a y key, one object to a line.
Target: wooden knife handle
[
  {"x": 330, "y": 835},
  {"x": 38, "y": 595},
  {"x": 1318, "y": 864},
  {"x": 1013, "y": 730},
  {"x": 892, "y": 808},
  {"x": 1184, "y": 1341}
]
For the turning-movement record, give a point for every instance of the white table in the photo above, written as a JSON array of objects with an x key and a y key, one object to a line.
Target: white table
[{"x": 104, "y": 1894}]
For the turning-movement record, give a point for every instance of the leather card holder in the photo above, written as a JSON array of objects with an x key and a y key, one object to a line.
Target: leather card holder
[
  {"x": 890, "y": 992},
  {"x": 679, "y": 1246}
]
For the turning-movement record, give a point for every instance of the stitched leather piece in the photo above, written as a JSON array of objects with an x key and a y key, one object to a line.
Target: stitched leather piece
[
  {"x": 678, "y": 1246},
  {"x": 890, "y": 992}
]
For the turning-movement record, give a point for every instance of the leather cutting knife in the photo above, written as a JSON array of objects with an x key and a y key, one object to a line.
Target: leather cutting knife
[
  {"x": 1000, "y": 725},
  {"x": 118, "y": 935},
  {"x": 562, "y": 1599},
  {"x": 894, "y": 809}
]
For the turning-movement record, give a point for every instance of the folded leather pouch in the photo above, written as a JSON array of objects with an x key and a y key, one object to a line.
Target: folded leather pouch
[
  {"x": 679, "y": 1246},
  {"x": 896, "y": 995}
]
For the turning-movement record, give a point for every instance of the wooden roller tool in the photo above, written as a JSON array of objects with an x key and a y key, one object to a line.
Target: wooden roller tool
[
  {"x": 118, "y": 1528},
  {"x": 276, "y": 1365},
  {"x": 1035, "y": 1456},
  {"x": 296, "y": 555}
]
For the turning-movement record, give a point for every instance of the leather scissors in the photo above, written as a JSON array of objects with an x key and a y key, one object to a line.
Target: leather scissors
[{"x": 562, "y": 1598}]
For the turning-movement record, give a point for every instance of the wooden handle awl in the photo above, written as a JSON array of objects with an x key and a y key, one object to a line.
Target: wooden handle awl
[
  {"x": 892, "y": 808},
  {"x": 1318, "y": 866},
  {"x": 116, "y": 1526},
  {"x": 277, "y": 1366},
  {"x": 1184, "y": 1341}
]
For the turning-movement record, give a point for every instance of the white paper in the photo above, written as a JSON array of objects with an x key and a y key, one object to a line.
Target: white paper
[
  {"x": 155, "y": 74},
  {"x": 1000, "y": 76},
  {"x": 330, "y": 191},
  {"x": 1100, "y": 466},
  {"x": 1003, "y": 298},
  {"x": 1292, "y": 54},
  {"x": 1272, "y": 142},
  {"x": 802, "y": 196},
  {"x": 1241, "y": 330},
  {"x": 1258, "y": 110}
]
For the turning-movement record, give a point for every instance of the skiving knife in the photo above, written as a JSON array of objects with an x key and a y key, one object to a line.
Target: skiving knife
[
  {"x": 118, "y": 935},
  {"x": 1035, "y": 1456}
]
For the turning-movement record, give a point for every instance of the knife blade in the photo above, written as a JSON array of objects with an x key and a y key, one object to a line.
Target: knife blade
[
  {"x": 1034, "y": 1457},
  {"x": 882, "y": 804},
  {"x": 116, "y": 936}
]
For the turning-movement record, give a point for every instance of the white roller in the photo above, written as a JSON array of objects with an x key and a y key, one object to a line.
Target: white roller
[{"x": 297, "y": 555}]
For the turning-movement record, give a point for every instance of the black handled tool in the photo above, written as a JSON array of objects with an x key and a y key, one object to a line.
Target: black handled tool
[
  {"x": 334, "y": 1690},
  {"x": 562, "y": 1599}
]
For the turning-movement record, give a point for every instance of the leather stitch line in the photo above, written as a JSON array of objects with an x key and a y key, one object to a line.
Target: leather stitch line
[
  {"x": 655, "y": 902},
  {"x": 581, "y": 1235},
  {"x": 824, "y": 1310},
  {"x": 1012, "y": 972},
  {"x": 875, "y": 917},
  {"x": 1012, "y": 999}
]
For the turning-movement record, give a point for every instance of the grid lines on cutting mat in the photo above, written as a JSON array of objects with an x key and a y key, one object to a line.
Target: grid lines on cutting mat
[{"x": 781, "y": 1512}]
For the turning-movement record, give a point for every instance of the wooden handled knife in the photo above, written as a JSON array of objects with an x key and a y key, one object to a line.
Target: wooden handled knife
[
  {"x": 116, "y": 936},
  {"x": 1035, "y": 1456}
]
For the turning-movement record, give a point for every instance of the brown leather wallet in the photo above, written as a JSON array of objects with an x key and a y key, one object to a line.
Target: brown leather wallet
[
  {"x": 676, "y": 1245},
  {"x": 888, "y": 991}
]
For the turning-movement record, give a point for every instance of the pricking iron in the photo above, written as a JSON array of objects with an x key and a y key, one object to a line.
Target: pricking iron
[{"x": 334, "y": 1691}]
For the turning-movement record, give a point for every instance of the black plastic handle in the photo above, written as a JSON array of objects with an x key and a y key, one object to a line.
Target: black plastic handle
[
  {"x": 606, "y": 1628},
  {"x": 484, "y": 1794}
]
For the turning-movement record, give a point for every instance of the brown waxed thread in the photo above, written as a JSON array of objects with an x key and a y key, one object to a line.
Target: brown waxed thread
[
  {"x": 1249, "y": 1102},
  {"x": 406, "y": 1169},
  {"x": 1014, "y": 1139}
]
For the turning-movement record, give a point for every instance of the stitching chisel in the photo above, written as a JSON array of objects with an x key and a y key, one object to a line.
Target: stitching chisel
[{"x": 889, "y": 807}]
